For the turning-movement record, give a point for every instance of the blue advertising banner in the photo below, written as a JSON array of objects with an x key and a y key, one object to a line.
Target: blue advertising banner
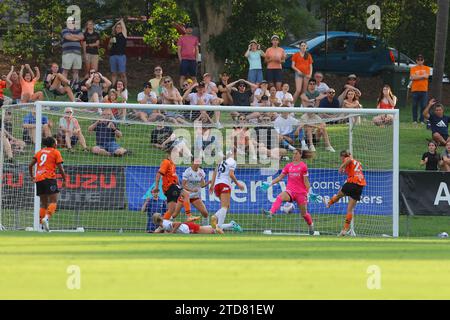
[{"x": 376, "y": 198}]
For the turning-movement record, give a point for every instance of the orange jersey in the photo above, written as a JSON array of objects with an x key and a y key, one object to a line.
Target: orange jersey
[
  {"x": 355, "y": 173},
  {"x": 47, "y": 161},
  {"x": 169, "y": 174}
]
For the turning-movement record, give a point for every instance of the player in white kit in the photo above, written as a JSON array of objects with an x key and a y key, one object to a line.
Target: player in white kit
[
  {"x": 181, "y": 227},
  {"x": 221, "y": 186},
  {"x": 193, "y": 181}
]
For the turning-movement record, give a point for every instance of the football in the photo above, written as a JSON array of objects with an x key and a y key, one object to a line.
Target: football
[{"x": 288, "y": 207}]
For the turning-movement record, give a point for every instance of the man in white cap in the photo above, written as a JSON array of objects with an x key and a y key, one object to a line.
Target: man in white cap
[
  {"x": 275, "y": 57},
  {"x": 71, "y": 49}
]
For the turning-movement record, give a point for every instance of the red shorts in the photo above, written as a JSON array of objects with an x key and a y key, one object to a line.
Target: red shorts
[
  {"x": 193, "y": 227},
  {"x": 300, "y": 198},
  {"x": 221, "y": 188}
]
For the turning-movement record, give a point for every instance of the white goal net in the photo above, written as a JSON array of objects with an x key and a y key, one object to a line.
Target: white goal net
[{"x": 108, "y": 183}]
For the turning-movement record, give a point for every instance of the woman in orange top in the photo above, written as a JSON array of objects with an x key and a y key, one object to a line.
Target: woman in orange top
[
  {"x": 386, "y": 100},
  {"x": 27, "y": 81},
  {"x": 47, "y": 160},
  {"x": 352, "y": 188},
  {"x": 302, "y": 65}
]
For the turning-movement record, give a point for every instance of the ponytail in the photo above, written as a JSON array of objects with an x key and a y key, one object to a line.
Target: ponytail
[{"x": 345, "y": 153}]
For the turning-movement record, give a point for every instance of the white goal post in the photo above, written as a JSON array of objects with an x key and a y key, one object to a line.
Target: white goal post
[{"x": 105, "y": 192}]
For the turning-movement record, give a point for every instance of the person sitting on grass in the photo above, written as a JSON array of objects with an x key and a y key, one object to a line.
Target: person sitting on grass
[
  {"x": 106, "y": 133},
  {"x": 58, "y": 84},
  {"x": 70, "y": 131},
  {"x": 11, "y": 145},
  {"x": 386, "y": 100},
  {"x": 29, "y": 126},
  {"x": 27, "y": 81},
  {"x": 445, "y": 164},
  {"x": 431, "y": 159},
  {"x": 438, "y": 121}
]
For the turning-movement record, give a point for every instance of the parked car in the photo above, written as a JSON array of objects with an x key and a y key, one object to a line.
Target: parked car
[{"x": 136, "y": 47}]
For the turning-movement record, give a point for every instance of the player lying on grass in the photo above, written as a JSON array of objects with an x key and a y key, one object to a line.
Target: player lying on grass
[
  {"x": 47, "y": 160},
  {"x": 352, "y": 188},
  {"x": 181, "y": 227},
  {"x": 221, "y": 186},
  {"x": 297, "y": 187},
  {"x": 193, "y": 182}
]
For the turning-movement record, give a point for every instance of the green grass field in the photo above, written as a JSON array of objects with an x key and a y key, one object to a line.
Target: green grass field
[{"x": 121, "y": 266}]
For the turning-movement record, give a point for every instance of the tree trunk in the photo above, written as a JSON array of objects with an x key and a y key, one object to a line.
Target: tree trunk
[
  {"x": 439, "y": 48},
  {"x": 212, "y": 19}
]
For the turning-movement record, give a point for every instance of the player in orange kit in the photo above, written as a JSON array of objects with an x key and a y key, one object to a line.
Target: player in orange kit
[
  {"x": 352, "y": 188},
  {"x": 48, "y": 160}
]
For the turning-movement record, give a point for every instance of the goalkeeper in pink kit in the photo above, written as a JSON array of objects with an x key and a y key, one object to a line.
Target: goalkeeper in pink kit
[{"x": 297, "y": 187}]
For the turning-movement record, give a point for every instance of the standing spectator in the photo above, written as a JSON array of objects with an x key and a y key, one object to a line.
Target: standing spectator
[
  {"x": 438, "y": 121},
  {"x": 13, "y": 84},
  {"x": 445, "y": 162},
  {"x": 106, "y": 133},
  {"x": 71, "y": 49},
  {"x": 97, "y": 84},
  {"x": 57, "y": 83},
  {"x": 70, "y": 131},
  {"x": 156, "y": 81},
  {"x": 321, "y": 86},
  {"x": 148, "y": 97},
  {"x": 431, "y": 159},
  {"x": 27, "y": 82},
  {"x": 91, "y": 44},
  {"x": 29, "y": 126},
  {"x": 285, "y": 97},
  {"x": 350, "y": 85},
  {"x": 224, "y": 93},
  {"x": 275, "y": 57},
  {"x": 254, "y": 55},
  {"x": 117, "y": 57},
  {"x": 187, "y": 55},
  {"x": 330, "y": 101},
  {"x": 419, "y": 75},
  {"x": 302, "y": 65},
  {"x": 386, "y": 100}
]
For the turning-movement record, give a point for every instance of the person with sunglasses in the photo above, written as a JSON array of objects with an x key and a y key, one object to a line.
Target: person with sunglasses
[
  {"x": 241, "y": 95},
  {"x": 156, "y": 81},
  {"x": 330, "y": 101},
  {"x": 69, "y": 131},
  {"x": 171, "y": 95},
  {"x": 419, "y": 75}
]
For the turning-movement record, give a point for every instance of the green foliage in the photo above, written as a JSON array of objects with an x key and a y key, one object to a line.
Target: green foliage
[{"x": 164, "y": 17}]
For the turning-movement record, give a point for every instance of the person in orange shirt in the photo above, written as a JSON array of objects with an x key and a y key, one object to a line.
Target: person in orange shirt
[
  {"x": 352, "y": 188},
  {"x": 302, "y": 65},
  {"x": 2, "y": 87},
  {"x": 275, "y": 57},
  {"x": 419, "y": 76},
  {"x": 171, "y": 188},
  {"x": 47, "y": 160},
  {"x": 27, "y": 81}
]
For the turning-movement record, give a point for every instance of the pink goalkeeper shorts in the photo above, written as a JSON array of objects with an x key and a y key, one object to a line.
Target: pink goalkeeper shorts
[{"x": 300, "y": 198}]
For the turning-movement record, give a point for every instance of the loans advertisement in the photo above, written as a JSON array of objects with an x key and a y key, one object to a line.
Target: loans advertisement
[{"x": 376, "y": 198}]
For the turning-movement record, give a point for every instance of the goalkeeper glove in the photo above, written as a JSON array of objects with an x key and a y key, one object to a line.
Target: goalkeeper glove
[
  {"x": 314, "y": 198},
  {"x": 265, "y": 186}
]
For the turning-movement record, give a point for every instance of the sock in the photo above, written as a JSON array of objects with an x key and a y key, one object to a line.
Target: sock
[
  {"x": 227, "y": 226},
  {"x": 42, "y": 213},
  {"x": 221, "y": 214},
  {"x": 167, "y": 215},
  {"x": 51, "y": 209},
  {"x": 187, "y": 207},
  {"x": 333, "y": 200},
  {"x": 276, "y": 205},
  {"x": 308, "y": 219},
  {"x": 348, "y": 220}
]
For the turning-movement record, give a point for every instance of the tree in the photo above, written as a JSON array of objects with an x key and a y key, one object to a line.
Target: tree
[{"x": 439, "y": 49}]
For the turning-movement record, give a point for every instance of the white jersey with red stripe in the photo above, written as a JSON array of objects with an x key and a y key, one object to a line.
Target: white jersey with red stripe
[
  {"x": 194, "y": 181},
  {"x": 168, "y": 227},
  {"x": 223, "y": 171}
]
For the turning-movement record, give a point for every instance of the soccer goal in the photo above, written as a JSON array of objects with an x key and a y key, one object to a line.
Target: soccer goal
[{"x": 110, "y": 190}]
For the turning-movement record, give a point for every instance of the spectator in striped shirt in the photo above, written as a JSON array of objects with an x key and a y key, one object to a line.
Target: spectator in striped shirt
[{"x": 71, "y": 49}]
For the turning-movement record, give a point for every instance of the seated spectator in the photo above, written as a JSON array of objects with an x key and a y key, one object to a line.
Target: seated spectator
[
  {"x": 29, "y": 126},
  {"x": 148, "y": 97},
  {"x": 27, "y": 82},
  {"x": 289, "y": 131},
  {"x": 156, "y": 82},
  {"x": 97, "y": 84},
  {"x": 262, "y": 90},
  {"x": 223, "y": 92},
  {"x": 351, "y": 85},
  {"x": 241, "y": 95},
  {"x": 287, "y": 100},
  {"x": 386, "y": 100},
  {"x": 438, "y": 121},
  {"x": 58, "y": 84},
  {"x": 13, "y": 84},
  {"x": 11, "y": 145},
  {"x": 211, "y": 87},
  {"x": 267, "y": 140},
  {"x": 264, "y": 102},
  {"x": 163, "y": 138},
  {"x": 273, "y": 99},
  {"x": 106, "y": 133},
  {"x": 70, "y": 131},
  {"x": 351, "y": 100},
  {"x": 445, "y": 164},
  {"x": 242, "y": 140},
  {"x": 122, "y": 97},
  {"x": 83, "y": 95},
  {"x": 171, "y": 95},
  {"x": 330, "y": 101},
  {"x": 202, "y": 98},
  {"x": 431, "y": 159},
  {"x": 311, "y": 97},
  {"x": 321, "y": 86},
  {"x": 113, "y": 97}
]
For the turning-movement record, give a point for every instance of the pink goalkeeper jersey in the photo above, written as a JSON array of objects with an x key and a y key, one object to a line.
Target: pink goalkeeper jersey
[{"x": 295, "y": 174}]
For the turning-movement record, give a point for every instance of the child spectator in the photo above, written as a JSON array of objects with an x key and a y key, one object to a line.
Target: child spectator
[
  {"x": 431, "y": 159},
  {"x": 27, "y": 82}
]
